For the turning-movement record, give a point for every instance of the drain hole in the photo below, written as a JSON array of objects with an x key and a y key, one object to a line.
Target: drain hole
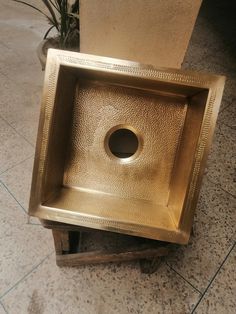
[{"x": 123, "y": 143}]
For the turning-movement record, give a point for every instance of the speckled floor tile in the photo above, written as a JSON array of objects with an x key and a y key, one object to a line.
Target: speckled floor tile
[
  {"x": 22, "y": 245},
  {"x": 229, "y": 94},
  {"x": 18, "y": 181},
  {"x": 2, "y": 311},
  {"x": 20, "y": 12},
  {"x": 100, "y": 289},
  {"x": 13, "y": 147},
  {"x": 207, "y": 51},
  {"x": 213, "y": 235},
  {"x": 212, "y": 57},
  {"x": 21, "y": 85},
  {"x": 18, "y": 18},
  {"x": 212, "y": 45},
  {"x": 221, "y": 296},
  {"x": 228, "y": 115},
  {"x": 20, "y": 103},
  {"x": 222, "y": 159}
]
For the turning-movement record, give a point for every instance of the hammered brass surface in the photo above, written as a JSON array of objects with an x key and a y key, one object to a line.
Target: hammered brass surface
[
  {"x": 89, "y": 166},
  {"x": 147, "y": 187}
]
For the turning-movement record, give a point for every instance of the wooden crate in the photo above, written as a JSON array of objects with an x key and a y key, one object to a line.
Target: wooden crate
[{"x": 76, "y": 246}]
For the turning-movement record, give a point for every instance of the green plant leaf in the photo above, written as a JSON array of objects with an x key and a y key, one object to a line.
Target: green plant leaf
[
  {"x": 50, "y": 9},
  {"x": 31, "y": 6},
  {"x": 48, "y": 31},
  {"x": 35, "y": 8},
  {"x": 75, "y": 7},
  {"x": 59, "y": 3},
  {"x": 64, "y": 16},
  {"x": 54, "y": 4},
  {"x": 74, "y": 15}
]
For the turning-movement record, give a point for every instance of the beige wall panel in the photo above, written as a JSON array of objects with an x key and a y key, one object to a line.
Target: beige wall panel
[{"x": 149, "y": 31}]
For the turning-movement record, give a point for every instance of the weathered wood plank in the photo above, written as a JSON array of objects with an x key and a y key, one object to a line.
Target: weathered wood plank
[{"x": 96, "y": 257}]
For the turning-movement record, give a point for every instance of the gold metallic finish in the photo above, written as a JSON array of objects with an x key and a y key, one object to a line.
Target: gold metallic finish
[{"x": 122, "y": 146}]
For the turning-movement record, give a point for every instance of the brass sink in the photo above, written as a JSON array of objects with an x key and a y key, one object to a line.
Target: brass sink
[{"x": 122, "y": 146}]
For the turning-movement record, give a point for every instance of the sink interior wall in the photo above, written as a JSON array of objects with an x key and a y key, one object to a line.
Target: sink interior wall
[
  {"x": 158, "y": 120},
  {"x": 84, "y": 112}
]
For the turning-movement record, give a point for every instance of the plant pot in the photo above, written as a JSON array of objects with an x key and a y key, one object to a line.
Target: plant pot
[
  {"x": 43, "y": 47},
  {"x": 53, "y": 42}
]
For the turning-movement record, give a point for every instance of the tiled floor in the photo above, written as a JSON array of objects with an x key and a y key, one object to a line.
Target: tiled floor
[{"x": 198, "y": 278}]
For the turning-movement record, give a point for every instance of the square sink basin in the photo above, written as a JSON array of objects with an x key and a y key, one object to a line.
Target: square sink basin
[{"x": 122, "y": 146}]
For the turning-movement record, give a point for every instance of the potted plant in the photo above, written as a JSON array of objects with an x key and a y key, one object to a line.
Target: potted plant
[{"x": 63, "y": 16}]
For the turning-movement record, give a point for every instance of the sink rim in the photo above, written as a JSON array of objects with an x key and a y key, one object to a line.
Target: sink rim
[{"x": 182, "y": 80}]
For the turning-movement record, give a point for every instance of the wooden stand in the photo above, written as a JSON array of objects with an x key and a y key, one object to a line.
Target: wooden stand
[{"x": 77, "y": 246}]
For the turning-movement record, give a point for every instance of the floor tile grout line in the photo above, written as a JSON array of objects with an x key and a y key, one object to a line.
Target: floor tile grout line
[
  {"x": 202, "y": 293},
  {"x": 1, "y": 304},
  {"x": 12, "y": 195},
  {"x": 22, "y": 207},
  {"x": 229, "y": 126},
  {"x": 219, "y": 186},
  {"x": 223, "y": 109},
  {"x": 234, "y": 196},
  {"x": 213, "y": 278},
  {"x": 15, "y": 165},
  {"x": 25, "y": 211},
  {"x": 33, "y": 146},
  {"x": 25, "y": 276},
  {"x": 184, "y": 278}
]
